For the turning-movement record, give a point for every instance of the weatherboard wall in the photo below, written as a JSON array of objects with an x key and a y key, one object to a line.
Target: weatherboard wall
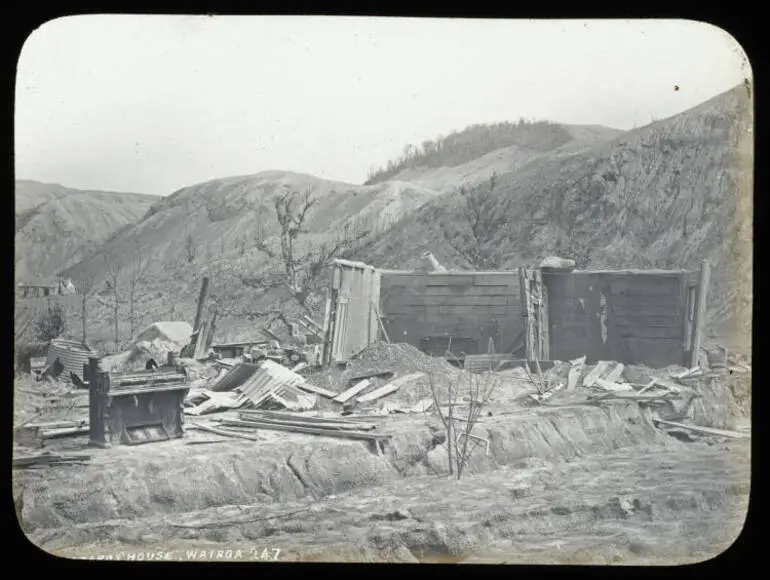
[
  {"x": 425, "y": 309},
  {"x": 355, "y": 288},
  {"x": 637, "y": 317}
]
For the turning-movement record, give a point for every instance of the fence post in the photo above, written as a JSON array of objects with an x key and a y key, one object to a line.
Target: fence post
[{"x": 700, "y": 313}]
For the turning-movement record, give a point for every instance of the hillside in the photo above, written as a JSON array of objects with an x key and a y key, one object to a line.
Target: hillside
[
  {"x": 56, "y": 226},
  {"x": 666, "y": 195},
  {"x": 217, "y": 225},
  {"x": 526, "y": 139},
  {"x": 214, "y": 227}
]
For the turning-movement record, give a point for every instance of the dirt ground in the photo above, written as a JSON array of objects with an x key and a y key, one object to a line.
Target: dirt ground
[
  {"x": 563, "y": 482},
  {"x": 641, "y": 505}
]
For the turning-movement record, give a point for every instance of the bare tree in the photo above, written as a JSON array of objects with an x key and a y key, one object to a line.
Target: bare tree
[
  {"x": 471, "y": 390},
  {"x": 189, "y": 248},
  {"x": 137, "y": 274},
  {"x": 258, "y": 233},
  {"x": 300, "y": 272},
  {"x": 52, "y": 323},
  {"x": 85, "y": 284},
  {"x": 291, "y": 210},
  {"x": 482, "y": 219},
  {"x": 114, "y": 278}
]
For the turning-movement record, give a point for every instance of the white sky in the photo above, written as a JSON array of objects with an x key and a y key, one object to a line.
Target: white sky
[{"x": 151, "y": 104}]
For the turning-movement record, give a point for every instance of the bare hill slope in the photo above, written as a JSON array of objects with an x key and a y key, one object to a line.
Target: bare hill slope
[
  {"x": 56, "y": 226},
  {"x": 666, "y": 195},
  {"x": 216, "y": 225}
]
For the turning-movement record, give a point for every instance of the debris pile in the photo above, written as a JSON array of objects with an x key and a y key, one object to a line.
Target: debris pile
[
  {"x": 266, "y": 385},
  {"x": 398, "y": 358},
  {"x": 673, "y": 396},
  {"x": 48, "y": 459}
]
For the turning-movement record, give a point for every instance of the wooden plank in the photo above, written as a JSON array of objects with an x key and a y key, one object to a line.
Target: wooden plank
[
  {"x": 200, "y": 342},
  {"x": 524, "y": 300},
  {"x": 614, "y": 375},
  {"x": 294, "y": 416},
  {"x": 378, "y": 393},
  {"x": 446, "y": 279},
  {"x": 309, "y": 322},
  {"x": 457, "y": 301},
  {"x": 700, "y": 313},
  {"x": 707, "y": 430},
  {"x": 622, "y": 309},
  {"x": 317, "y": 390},
  {"x": 391, "y": 387},
  {"x": 309, "y": 430},
  {"x": 223, "y": 432},
  {"x": 352, "y": 391},
  {"x": 348, "y": 264},
  {"x": 673, "y": 333},
  {"x": 642, "y": 318},
  {"x": 201, "y": 302},
  {"x": 502, "y": 279},
  {"x": 380, "y": 325},
  {"x": 462, "y": 291},
  {"x": 631, "y": 302},
  {"x": 612, "y": 386},
  {"x": 391, "y": 310},
  {"x": 596, "y": 373},
  {"x": 543, "y": 352},
  {"x": 643, "y": 285},
  {"x": 246, "y": 421},
  {"x": 573, "y": 377}
]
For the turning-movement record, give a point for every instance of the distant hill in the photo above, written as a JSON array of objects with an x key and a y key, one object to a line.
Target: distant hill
[
  {"x": 473, "y": 143},
  {"x": 666, "y": 195},
  {"x": 57, "y": 226}
]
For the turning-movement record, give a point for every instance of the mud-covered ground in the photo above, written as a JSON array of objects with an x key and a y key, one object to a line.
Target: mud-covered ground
[
  {"x": 564, "y": 482},
  {"x": 624, "y": 493},
  {"x": 641, "y": 505}
]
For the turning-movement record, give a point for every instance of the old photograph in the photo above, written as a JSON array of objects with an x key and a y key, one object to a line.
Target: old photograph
[{"x": 390, "y": 290}]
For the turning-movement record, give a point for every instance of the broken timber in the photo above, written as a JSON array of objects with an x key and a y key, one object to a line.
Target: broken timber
[
  {"x": 573, "y": 376},
  {"x": 279, "y": 416},
  {"x": 391, "y": 387},
  {"x": 700, "y": 313},
  {"x": 596, "y": 373},
  {"x": 246, "y": 421},
  {"x": 308, "y": 430},
  {"x": 706, "y": 430},
  {"x": 352, "y": 391},
  {"x": 223, "y": 432},
  {"x": 317, "y": 390}
]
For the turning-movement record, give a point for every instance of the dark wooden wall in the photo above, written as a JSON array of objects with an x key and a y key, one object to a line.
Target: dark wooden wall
[
  {"x": 468, "y": 305},
  {"x": 646, "y": 316}
]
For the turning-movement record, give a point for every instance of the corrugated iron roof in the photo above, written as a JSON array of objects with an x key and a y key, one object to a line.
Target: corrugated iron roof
[
  {"x": 71, "y": 354},
  {"x": 235, "y": 377},
  {"x": 271, "y": 378}
]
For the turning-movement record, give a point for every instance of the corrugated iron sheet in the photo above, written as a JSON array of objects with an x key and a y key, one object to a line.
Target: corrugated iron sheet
[
  {"x": 273, "y": 383},
  {"x": 71, "y": 354},
  {"x": 235, "y": 377}
]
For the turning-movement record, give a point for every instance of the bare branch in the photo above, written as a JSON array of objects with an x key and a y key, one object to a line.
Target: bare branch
[{"x": 482, "y": 221}]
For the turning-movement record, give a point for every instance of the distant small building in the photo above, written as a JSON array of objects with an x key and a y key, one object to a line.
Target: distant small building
[{"x": 42, "y": 287}]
